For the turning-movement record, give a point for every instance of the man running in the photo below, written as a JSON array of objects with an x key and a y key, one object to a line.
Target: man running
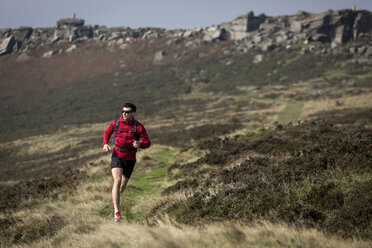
[{"x": 127, "y": 135}]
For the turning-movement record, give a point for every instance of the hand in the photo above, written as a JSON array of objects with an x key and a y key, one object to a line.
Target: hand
[
  {"x": 136, "y": 144},
  {"x": 106, "y": 148}
]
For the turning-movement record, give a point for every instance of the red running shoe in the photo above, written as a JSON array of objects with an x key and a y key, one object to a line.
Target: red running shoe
[{"x": 117, "y": 216}]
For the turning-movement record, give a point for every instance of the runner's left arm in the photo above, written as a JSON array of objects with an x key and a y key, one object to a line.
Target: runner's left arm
[{"x": 145, "y": 143}]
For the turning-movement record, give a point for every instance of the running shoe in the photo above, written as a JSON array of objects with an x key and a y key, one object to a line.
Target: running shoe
[{"x": 117, "y": 216}]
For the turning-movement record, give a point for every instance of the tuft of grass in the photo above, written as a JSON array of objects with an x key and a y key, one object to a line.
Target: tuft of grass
[
  {"x": 225, "y": 234},
  {"x": 27, "y": 232}
]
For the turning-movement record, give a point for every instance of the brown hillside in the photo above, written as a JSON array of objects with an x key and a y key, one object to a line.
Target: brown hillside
[{"x": 91, "y": 61}]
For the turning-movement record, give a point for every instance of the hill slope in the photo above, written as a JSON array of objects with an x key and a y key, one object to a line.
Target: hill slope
[{"x": 224, "y": 161}]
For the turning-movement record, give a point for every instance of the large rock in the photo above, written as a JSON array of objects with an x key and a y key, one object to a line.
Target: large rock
[
  {"x": 71, "y": 49},
  {"x": 242, "y": 25},
  {"x": 362, "y": 23},
  {"x": 214, "y": 33},
  {"x": 49, "y": 54},
  {"x": 334, "y": 26},
  {"x": 22, "y": 33},
  {"x": 295, "y": 26},
  {"x": 159, "y": 57},
  {"x": 253, "y": 22},
  {"x": 7, "y": 45},
  {"x": 75, "y": 22},
  {"x": 73, "y": 33},
  {"x": 270, "y": 26},
  {"x": 5, "y": 32}
]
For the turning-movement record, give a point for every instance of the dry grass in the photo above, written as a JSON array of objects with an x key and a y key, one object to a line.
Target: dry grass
[
  {"x": 108, "y": 234},
  {"x": 360, "y": 101}
]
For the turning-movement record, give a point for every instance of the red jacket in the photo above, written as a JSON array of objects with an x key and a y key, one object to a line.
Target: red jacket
[{"x": 125, "y": 140}]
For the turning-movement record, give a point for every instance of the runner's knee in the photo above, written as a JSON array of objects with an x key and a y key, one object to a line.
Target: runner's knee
[{"x": 117, "y": 181}]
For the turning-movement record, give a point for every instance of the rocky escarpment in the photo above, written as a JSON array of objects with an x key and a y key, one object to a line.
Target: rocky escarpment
[{"x": 248, "y": 31}]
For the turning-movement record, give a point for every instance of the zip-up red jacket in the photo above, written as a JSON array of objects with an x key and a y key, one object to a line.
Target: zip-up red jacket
[{"x": 125, "y": 139}]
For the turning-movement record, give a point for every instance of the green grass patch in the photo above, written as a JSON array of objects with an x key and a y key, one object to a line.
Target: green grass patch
[
  {"x": 290, "y": 113},
  {"x": 165, "y": 155},
  {"x": 338, "y": 73}
]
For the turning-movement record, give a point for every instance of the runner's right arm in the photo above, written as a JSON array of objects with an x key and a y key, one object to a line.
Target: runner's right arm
[{"x": 107, "y": 135}]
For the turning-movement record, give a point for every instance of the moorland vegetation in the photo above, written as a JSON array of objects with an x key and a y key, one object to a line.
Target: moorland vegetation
[{"x": 268, "y": 153}]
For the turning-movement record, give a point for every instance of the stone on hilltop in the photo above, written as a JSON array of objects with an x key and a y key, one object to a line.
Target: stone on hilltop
[
  {"x": 7, "y": 45},
  {"x": 70, "y": 22},
  {"x": 214, "y": 33},
  {"x": 22, "y": 33}
]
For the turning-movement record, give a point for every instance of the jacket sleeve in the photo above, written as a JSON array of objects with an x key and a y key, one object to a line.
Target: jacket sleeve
[
  {"x": 145, "y": 143},
  {"x": 108, "y": 132}
]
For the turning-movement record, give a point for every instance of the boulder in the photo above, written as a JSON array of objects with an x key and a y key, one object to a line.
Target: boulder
[
  {"x": 123, "y": 46},
  {"x": 258, "y": 58},
  {"x": 187, "y": 34},
  {"x": 191, "y": 32},
  {"x": 295, "y": 26},
  {"x": 257, "y": 38},
  {"x": 85, "y": 31},
  {"x": 7, "y": 45},
  {"x": 23, "y": 57},
  {"x": 253, "y": 23},
  {"x": 194, "y": 43},
  {"x": 240, "y": 27},
  {"x": 75, "y": 22},
  {"x": 72, "y": 33},
  {"x": 22, "y": 33},
  {"x": 339, "y": 35},
  {"x": 369, "y": 51},
  {"x": 5, "y": 32},
  {"x": 49, "y": 54},
  {"x": 269, "y": 27},
  {"x": 69, "y": 34},
  {"x": 214, "y": 34},
  {"x": 268, "y": 46},
  {"x": 150, "y": 35},
  {"x": 115, "y": 36},
  {"x": 71, "y": 49},
  {"x": 159, "y": 56}
]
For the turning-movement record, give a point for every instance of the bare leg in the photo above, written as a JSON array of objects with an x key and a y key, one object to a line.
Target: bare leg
[
  {"x": 124, "y": 182},
  {"x": 116, "y": 174}
]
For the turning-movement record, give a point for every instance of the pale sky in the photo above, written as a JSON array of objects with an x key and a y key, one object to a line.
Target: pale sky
[{"x": 169, "y": 14}]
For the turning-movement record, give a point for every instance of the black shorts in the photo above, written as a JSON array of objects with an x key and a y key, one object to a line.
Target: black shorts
[{"x": 126, "y": 165}]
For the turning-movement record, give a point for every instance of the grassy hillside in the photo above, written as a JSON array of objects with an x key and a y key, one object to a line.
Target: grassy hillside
[
  {"x": 273, "y": 153},
  {"x": 41, "y": 95},
  {"x": 304, "y": 185}
]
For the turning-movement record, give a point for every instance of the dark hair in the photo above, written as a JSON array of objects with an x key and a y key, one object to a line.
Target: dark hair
[{"x": 130, "y": 105}]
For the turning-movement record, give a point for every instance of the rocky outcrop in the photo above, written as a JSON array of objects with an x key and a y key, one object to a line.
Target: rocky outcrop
[{"x": 248, "y": 31}]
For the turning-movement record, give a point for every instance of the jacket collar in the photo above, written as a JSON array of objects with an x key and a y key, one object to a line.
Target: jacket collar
[{"x": 130, "y": 122}]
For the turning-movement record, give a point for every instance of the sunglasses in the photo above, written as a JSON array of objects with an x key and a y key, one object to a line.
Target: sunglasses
[{"x": 127, "y": 112}]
